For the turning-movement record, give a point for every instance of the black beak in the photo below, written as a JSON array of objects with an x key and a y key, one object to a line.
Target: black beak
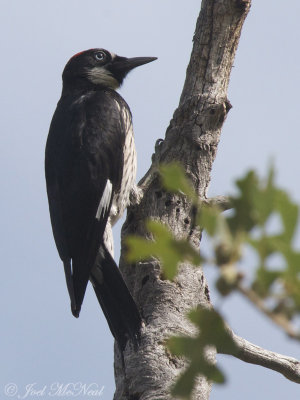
[
  {"x": 130, "y": 63},
  {"x": 120, "y": 66}
]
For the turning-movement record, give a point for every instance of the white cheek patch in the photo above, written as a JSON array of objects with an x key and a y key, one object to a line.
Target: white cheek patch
[
  {"x": 100, "y": 76},
  {"x": 105, "y": 200}
]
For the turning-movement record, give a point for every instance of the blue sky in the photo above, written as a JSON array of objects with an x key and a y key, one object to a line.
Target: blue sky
[{"x": 41, "y": 342}]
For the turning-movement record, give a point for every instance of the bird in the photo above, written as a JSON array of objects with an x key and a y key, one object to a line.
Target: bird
[{"x": 90, "y": 169}]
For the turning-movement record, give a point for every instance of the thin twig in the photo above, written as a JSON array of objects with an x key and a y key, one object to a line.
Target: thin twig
[{"x": 278, "y": 319}]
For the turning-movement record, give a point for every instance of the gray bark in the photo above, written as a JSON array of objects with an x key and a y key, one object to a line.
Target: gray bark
[
  {"x": 251, "y": 353},
  {"x": 192, "y": 139}
]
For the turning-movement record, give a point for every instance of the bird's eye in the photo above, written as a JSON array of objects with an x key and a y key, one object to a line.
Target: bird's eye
[{"x": 100, "y": 56}]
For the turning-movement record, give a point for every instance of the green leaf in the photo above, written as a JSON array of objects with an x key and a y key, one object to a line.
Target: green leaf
[
  {"x": 174, "y": 180},
  {"x": 139, "y": 248},
  {"x": 254, "y": 203},
  {"x": 164, "y": 246},
  {"x": 185, "y": 383},
  {"x": 264, "y": 280},
  {"x": 245, "y": 214},
  {"x": 212, "y": 331},
  {"x": 265, "y": 245},
  {"x": 264, "y": 200},
  {"x": 209, "y": 218},
  {"x": 289, "y": 212}
]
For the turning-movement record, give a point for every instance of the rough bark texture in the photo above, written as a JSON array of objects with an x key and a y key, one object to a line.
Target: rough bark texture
[{"x": 192, "y": 139}]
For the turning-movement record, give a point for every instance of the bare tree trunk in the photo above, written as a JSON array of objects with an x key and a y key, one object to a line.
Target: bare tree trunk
[{"x": 192, "y": 139}]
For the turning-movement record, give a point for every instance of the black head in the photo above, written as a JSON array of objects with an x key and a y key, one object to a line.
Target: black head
[{"x": 100, "y": 67}]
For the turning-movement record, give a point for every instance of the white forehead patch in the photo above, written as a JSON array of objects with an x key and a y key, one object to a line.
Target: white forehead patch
[{"x": 100, "y": 76}]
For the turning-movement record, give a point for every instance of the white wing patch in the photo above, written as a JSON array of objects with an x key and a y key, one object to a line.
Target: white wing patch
[
  {"x": 105, "y": 200},
  {"x": 121, "y": 198}
]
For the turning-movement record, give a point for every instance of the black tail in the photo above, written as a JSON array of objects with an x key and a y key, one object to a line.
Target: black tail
[{"x": 115, "y": 299}]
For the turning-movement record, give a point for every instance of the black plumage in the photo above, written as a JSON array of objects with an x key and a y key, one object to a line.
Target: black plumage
[{"x": 90, "y": 169}]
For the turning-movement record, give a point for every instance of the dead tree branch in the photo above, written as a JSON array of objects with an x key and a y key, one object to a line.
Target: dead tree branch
[{"x": 253, "y": 354}]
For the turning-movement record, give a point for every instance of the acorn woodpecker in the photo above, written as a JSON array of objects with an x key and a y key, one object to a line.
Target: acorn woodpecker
[{"x": 90, "y": 166}]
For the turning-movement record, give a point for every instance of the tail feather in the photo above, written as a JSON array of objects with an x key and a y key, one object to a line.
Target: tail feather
[
  {"x": 115, "y": 299},
  {"x": 70, "y": 286}
]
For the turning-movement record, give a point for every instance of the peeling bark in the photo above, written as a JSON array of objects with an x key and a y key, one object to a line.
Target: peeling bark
[{"x": 192, "y": 139}]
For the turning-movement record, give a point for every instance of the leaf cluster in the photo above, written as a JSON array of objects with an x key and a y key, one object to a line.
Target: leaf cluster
[{"x": 264, "y": 218}]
